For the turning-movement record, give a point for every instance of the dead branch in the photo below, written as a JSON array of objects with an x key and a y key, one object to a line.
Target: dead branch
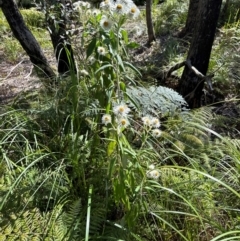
[
  {"x": 175, "y": 67},
  {"x": 194, "y": 70}
]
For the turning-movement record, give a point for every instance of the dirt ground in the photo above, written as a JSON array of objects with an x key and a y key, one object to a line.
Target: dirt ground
[{"x": 18, "y": 77}]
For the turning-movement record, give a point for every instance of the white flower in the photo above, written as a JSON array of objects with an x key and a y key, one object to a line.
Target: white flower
[
  {"x": 76, "y": 5},
  {"x": 121, "y": 110},
  {"x": 133, "y": 11},
  {"x": 101, "y": 50},
  {"x": 151, "y": 167},
  {"x": 91, "y": 60},
  {"x": 95, "y": 12},
  {"x": 107, "y": 4},
  {"x": 83, "y": 72},
  {"x": 147, "y": 121},
  {"x": 88, "y": 12},
  {"x": 154, "y": 174},
  {"x": 119, "y": 7},
  {"x": 106, "y": 119},
  {"x": 106, "y": 23},
  {"x": 123, "y": 122},
  {"x": 155, "y": 122},
  {"x": 80, "y": 4},
  {"x": 156, "y": 133},
  {"x": 85, "y": 4}
]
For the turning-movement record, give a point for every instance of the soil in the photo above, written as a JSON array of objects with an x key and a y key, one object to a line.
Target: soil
[{"x": 18, "y": 77}]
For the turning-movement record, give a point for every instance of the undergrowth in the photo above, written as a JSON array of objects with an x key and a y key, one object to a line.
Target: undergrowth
[{"x": 105, "y": 157}]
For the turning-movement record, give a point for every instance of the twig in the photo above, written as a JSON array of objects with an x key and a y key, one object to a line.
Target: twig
[
  {"x": 175, "y": 67},
  {"x": 29, "y": 73},
  {"x": 12, "y": 70},
  {"x": 200, "y": 76},
  {"x": 195, "y": 71}
]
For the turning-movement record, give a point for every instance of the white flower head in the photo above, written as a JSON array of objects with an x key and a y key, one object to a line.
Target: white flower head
[
  {"x": 81, "y": 5},
  {"x": 106, "y": 5},
  {"x": 106, "y": 119},
  {"x": 156, "y": 133},
  {"x": 91, "y": 60},
  {"x": 121, "y": 110},
  {"x": 147, "y": 121},
  {"x": 89, "y": 12},
  {"x": 133, "y": 12},
  {"x": 119, "y": 7},
  {"x": 123, "y": 122},
  {"x": 85, "y": 4},
  {"x": 106, "y": 24},
  {"x": 155, "y": 122},
  {"x": 76, "y": 5},
  {"x": 95, "y": 12},
  {"x": 153, "y": 174},
  {"x": 151, "y": 167},
  {"x": 101, "y": 50}
]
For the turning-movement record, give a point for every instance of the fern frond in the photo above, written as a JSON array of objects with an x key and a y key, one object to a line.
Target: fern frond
[{"x": 156, "y": 100}]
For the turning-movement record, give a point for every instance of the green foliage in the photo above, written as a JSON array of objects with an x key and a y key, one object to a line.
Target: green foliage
[
  {"x": 33, "y": 18},
  {"x": 170, "y": 16},
  {"x": 156, "y": 100},
  {"x": 230, "y": 12},
  {"x": 99, "y": 158}
]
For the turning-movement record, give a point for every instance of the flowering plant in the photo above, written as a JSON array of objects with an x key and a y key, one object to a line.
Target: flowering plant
[{"x": 108, "y": 77}]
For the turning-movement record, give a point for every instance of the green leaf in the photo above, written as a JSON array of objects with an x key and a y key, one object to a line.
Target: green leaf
[
  {"x": 108, "y": 107},
  {"x": 132, "y": 67},
  {"x": 111, "y": 147},
  {"x": 132, "y": 45},
  {"x": 122, "y": 86},
  {"x": 91, "y": 47},
  {"x": 119, "y": 59},
  {"x": 103, "y": 67},
  {"x": 122, "y": 20},
  {"x": 125, "y": 36}
]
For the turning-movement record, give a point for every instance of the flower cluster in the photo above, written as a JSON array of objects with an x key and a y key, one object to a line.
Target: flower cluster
[
  {"x": 152, "y": 122},
  {"x": 126, "y": 7},
  {"x": 153, "y": 173},
  {"x": 121, "y": 113},
  {"x": 80, "y": 4}
]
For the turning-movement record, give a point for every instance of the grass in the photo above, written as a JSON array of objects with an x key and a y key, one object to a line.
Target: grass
[
  {"x": 10, "y": 47},
  {"x": 65, "y": 175}
]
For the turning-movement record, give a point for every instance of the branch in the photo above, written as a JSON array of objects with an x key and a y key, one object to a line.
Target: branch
[
  {"x": 175, "y": 67},
  {"x": 194, "y": 70}
]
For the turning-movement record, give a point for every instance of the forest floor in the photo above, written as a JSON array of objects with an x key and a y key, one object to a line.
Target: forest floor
[{"x": 19, "y": 76}]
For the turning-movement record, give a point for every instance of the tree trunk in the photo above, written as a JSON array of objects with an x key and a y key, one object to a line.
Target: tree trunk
[
  {"x": 25, "y": 37},
  {"x": 60, "y": 40},
  {"x": 63, "y": 49},
  {"x": 200, "y": 51},
  {"x": 191, "y": 19},
  {"x": 151, "y": 35}
]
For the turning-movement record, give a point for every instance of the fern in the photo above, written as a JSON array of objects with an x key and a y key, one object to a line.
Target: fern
[{"x": 156, "y": 100}]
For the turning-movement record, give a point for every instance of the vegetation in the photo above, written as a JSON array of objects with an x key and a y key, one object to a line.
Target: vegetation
[{"x": 106, "y": 154}]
